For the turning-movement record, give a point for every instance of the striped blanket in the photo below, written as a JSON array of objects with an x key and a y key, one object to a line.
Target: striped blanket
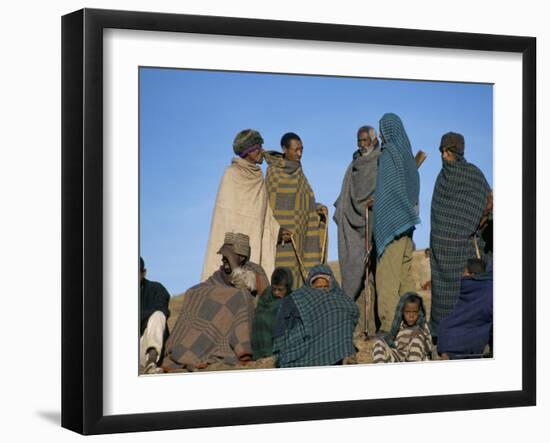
[
  {"x": 293, "y": 203},
  {"x": 214, "y": 325},
  {"x": 458, "y": 202},
  {"x": 397, "y": 185},
  {"x": 411, "y": 344},
  {"x": 315, "y": 326},
  {"x": 404, "y": 343}
]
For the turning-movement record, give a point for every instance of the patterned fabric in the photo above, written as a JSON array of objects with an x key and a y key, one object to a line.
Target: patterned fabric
[
  {"x": 294, "y": 207},
  {"x": 265, "y": 318},
  {"x": 357, "y": 188},
  {"x": 404, "y": 343},
  {"x": 214, "y": 325},
  {"x": 240, "y": 243},
  {"x": 397, "y": 185},
  {"x": 315, "y": 326},
  {"x": 411, "y": 344},
  {"x": 469, "y": 326},
  {"x": 458, "y": 202},
  {"x": 398, "y": 317}
]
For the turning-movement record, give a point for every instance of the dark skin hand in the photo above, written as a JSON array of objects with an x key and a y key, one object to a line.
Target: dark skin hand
[
  {"x": 285, "y": 235},
  {"x": 152, "y": 355},
  {"x": 370, "y": 202},
  {"x": 322, "y": 210}
]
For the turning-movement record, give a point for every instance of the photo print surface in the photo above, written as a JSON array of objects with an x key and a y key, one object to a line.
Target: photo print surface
[{"x": 303, "y": 220}]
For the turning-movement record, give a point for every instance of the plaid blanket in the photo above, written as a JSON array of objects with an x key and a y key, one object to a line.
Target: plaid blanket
[
  {"x": 357, "y": 187},
  {"x": 397, "y": 185},
  {"x": 213, "y": 326},
  {"x": 294, "y": 207},
  {"x": 315, "y": 326},
  {"x": 458, "y": 202}
]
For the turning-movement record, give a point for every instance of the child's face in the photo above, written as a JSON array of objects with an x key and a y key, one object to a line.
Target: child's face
[
  {"x": 411, "y": 313},
  {"x": 279, "y": 290},
  {"x": 320, "y": 283}
]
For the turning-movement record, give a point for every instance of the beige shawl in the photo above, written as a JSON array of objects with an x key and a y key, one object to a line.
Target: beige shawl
[{"x": 242, "y": 206}]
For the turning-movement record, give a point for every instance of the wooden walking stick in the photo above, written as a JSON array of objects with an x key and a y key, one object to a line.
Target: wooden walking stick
[
  {"x": 300, "y": 262},
  {"x": 474, "y": 240},
  {"x": 419, "y": 158},
  {"x": 367, "y": 266},
  {"x": 325, "y": 237}
]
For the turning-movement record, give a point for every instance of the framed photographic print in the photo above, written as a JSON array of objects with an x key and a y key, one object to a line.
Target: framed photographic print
[{"x": 254, "y": 211}]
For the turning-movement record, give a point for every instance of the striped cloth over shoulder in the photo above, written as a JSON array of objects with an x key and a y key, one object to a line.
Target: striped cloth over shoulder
[
  {"x": 295, "y": 209},
  {"x": 397, "y": 185}
]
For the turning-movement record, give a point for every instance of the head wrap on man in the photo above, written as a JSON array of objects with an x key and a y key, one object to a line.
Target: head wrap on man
[
  {"x": 247, "y": 141},
  {"x": 453, "y": 141}
]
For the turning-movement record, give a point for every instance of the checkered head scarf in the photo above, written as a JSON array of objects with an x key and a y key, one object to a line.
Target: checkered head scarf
[{"x": 247, "y": 141}]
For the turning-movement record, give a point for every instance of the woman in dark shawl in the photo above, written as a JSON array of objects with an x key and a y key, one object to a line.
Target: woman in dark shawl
[{"x": 315, "y": 326}]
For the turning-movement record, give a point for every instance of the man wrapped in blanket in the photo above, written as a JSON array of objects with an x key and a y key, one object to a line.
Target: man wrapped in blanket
[
  {"x": 461, "y": 205},
  {"x": 410, "y": 338},
  {"x": 215, "y": 321}
]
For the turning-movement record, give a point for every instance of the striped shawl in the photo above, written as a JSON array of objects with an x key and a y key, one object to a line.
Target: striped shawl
[
  {"x": 293, "y": 203},
  {"x": 397, "y": 185}
]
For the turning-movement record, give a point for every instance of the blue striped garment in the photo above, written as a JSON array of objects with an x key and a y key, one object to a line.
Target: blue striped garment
[{"x": 397, "y": 185}]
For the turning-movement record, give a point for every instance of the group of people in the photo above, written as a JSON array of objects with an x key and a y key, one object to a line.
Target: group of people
[{"x": 266, "y": 290}]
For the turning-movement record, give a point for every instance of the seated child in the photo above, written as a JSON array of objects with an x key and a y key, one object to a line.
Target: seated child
[
  {"x": 266, "y": 312},
  {"x": 410, "y": 338},
  {"x": 468, "y": 329}
]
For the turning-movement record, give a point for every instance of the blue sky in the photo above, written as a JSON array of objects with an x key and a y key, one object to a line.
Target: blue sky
[{"x": 188, "y": 120}]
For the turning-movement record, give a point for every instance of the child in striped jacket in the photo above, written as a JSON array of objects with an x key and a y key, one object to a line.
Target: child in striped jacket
[{"x": 410, "y": 338}]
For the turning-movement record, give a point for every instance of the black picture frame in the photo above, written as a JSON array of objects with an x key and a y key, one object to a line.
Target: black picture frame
[{"x": 82, "y": 218}]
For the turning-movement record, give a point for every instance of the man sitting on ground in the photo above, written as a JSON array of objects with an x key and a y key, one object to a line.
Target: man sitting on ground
[{"x": 216, "y": 316}]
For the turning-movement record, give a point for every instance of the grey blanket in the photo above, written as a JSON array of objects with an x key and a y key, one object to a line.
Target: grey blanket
[{"x": 358, "y": 185}]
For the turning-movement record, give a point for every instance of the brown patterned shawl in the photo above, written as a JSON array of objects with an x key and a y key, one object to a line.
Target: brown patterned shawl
[{"x": 214, "y": 324}]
